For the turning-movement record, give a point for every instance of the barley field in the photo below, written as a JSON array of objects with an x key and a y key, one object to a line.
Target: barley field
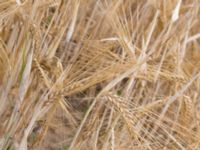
[{"x": 99, "y": 74}]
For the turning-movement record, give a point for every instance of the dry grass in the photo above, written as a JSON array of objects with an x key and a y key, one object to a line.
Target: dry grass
[{"x": 99, "y": 74}]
